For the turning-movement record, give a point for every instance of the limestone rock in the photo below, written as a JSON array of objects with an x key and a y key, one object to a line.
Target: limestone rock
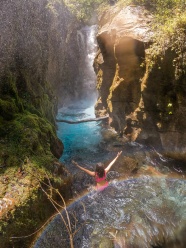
[{"x": 147, "y": 105}]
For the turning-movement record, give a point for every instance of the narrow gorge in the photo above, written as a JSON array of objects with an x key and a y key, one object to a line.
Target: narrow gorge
[{"x": 116, "y": 80}]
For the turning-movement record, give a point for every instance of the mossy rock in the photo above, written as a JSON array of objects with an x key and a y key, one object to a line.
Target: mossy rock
[
  {"x": 8, "y": 87},
  {"x": 27, "y": 130},
  {"x": 30, "y": 207},
  {"x": 28, "y": 135},
  {"x": 8, "y": 109},
  {"x": 25, "y": 220}
]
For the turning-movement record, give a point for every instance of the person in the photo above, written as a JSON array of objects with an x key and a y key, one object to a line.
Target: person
[{"x": 99, "y": 173}]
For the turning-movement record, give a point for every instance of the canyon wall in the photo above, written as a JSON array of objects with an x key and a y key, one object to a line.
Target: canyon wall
[
  {"x": 38, "y": 67},
  {"x": 145, "y": 103},
  {"x": 39, "y": 59}
]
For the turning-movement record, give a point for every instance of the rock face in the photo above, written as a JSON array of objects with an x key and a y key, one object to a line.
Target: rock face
[
  {"x": 143, "y": 103},
  {"x": 38, "y": 65},
  {"x": 39, "y": 39}
]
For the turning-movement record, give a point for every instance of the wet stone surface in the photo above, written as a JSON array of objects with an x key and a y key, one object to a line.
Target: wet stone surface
[{"x": 131, "y": 213}]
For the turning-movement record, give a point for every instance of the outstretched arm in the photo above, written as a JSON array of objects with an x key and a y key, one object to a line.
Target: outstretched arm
[
  {"x": 91, "y": 173},
  {"x": 113, "y": 161}
]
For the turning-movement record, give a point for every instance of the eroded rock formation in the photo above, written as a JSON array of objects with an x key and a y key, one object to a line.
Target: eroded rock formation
[
  {"x": 38, "y": 63},
  {"x": 147, "y": 104},
  {"x": 38, "y": 71}
]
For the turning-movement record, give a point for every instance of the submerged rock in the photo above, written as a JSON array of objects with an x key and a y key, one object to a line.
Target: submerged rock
[{"x": 144, "y": 212}]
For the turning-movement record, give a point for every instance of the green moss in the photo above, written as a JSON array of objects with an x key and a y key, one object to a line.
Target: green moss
[
  {"x": 8, "y": 109},
  {"x": 8, "y": 86},
  {"x": 28, "y": 217},
  {"x": 27, "y": 130},
  {"x": 27, "y": 119},
  {"x": 3, "y": 127},
  {"x": 31, "y": 206},
  {"x": 43, "y": 161},
  {"x": 25, "y": 220},
  {"x": 27, "y": 135}
]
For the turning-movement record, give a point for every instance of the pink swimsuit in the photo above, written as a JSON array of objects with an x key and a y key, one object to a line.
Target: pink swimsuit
[{"x": 100, "y": 179}]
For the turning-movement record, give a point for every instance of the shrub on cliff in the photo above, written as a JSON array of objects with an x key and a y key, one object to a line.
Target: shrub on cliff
[
  {"x": 169, "y": 27},
  {"x": 85, "y": 9}
]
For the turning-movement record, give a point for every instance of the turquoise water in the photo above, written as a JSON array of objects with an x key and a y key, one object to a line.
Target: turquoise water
[{"x": 81, "y": 141}]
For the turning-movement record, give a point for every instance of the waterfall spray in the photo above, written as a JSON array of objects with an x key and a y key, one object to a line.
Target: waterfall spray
[{"x": 86, "y": 38}]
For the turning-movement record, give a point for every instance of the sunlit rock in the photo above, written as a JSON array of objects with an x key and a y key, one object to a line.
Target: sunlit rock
[{"x": 145, "y": 104}]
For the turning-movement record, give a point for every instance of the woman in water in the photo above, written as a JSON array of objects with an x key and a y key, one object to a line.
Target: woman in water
[{"x": 99, "y": 173}]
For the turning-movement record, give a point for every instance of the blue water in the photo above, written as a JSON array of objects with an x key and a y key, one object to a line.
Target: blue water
[{"x": 81, "y": 141}]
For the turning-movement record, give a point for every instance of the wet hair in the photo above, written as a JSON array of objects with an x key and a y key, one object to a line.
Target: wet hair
[{"x": 100, "y": 171}]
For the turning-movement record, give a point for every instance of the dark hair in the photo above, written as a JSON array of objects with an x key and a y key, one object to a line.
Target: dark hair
[{"x": 100, "y": 170}]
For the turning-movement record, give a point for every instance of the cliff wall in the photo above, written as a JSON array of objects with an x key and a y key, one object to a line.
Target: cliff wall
[
  {"x": 144, "y": 102},
  {"x": 38, "y": 66}
]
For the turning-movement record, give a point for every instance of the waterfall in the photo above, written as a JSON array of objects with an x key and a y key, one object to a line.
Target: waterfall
[
  {"x": 82, "y": 140},
  {"x": 86, "y": 39}
]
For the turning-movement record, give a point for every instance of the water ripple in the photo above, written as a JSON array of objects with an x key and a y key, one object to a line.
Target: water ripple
[{"x": 133, "y": 213}]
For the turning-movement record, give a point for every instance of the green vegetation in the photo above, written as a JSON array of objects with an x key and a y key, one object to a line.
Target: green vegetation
[
  {"x": 85, "y": 9},
  {"x": 171, "y": 35},
  {"x": 30, "y": 207},
  {"x": 27, "y": 121},
  {"x": 162, "y": 9},
  {"x": 27, "y": 150},
  {"x": 168, "y": 26}
]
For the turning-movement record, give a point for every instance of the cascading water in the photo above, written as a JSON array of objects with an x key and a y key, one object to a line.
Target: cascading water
[
  {"x": 136, "y": 213},
  {"x": 140, "y": 212},
  {"x": 82, "y": 141},
  {"x": 86, "y": 38}
]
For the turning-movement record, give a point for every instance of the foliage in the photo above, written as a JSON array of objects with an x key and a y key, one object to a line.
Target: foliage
[
  {"x": 171, "y": 35},
  {"x": 84, "y": 9},
  {"x": 29, "y": 208},
  {"x": 159, "y": 6},
  {"x": 169, "y": 28}
]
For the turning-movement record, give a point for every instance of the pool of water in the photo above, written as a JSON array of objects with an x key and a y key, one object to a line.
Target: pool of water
[{"x": 81, "y": 141}]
